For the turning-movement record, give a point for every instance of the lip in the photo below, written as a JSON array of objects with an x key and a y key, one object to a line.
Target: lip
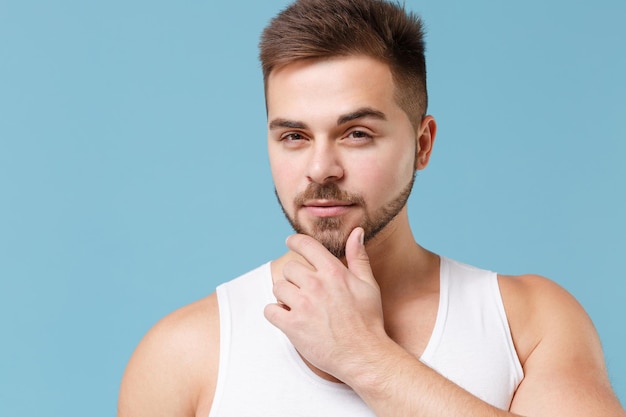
[{"x": 327, "y": 208}]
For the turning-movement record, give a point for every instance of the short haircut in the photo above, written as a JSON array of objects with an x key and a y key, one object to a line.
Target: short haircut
[{"x": 380, "y": 29}]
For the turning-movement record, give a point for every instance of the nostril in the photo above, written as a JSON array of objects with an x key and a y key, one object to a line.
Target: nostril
[{"x": 322, "y": 171}]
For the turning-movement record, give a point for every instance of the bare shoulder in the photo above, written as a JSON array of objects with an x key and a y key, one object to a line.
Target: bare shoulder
[
  {"x": 536, "y": 307},
  {"x": 173, "y": 370},
  {"x": 559, "y": 349}
]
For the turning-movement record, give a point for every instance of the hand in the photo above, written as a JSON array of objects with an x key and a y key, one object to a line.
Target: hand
[{"x": 329, "y": 312}]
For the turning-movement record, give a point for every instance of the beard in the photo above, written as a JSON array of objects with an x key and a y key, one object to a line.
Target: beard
[{"x": 331, "y": 231}]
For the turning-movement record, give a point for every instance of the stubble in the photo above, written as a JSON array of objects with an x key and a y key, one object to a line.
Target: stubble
[{"x": 332, "y": 231}]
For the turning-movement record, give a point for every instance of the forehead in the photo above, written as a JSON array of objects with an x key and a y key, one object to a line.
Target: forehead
[{"x": 329, "y": 86}]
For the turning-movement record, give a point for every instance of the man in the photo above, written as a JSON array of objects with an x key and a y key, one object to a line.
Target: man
[{"x": 357, "y": 319}]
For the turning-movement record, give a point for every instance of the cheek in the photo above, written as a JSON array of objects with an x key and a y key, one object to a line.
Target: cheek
[
  {"x": 385, "y": 177},
  {"x": 285, "y": 176}
]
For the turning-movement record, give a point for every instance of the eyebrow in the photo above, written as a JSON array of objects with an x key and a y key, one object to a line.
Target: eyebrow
[
  {"x": 290, "y": 124},
  {"x": 364, "y": 112}
]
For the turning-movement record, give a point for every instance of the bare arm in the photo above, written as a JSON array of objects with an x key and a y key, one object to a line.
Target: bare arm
[
  {"x": 336, "y": 324},
  {"x": 173, "y": 370},
  {"x": 565, "y": 370}
]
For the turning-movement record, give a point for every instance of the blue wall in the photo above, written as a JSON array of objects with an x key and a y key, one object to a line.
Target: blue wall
[{"x": 134, "y": 177}]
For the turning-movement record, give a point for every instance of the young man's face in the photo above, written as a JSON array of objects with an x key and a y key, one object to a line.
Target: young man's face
[{"x": 342, "y": 152}]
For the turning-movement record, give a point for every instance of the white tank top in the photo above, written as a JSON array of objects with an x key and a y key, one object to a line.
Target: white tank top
[{"x": 262, "y": 375}]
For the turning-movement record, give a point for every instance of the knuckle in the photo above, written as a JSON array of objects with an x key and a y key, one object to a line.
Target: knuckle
[
  {"x": 314, "y": 285},
  {"x": 336, "y": 270}
]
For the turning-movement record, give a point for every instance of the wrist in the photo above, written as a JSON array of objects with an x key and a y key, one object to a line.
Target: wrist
[{"x": 373, "y": 367}]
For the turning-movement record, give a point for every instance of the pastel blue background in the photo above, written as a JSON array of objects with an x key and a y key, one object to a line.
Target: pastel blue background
[{"x": 134, "y": 177}]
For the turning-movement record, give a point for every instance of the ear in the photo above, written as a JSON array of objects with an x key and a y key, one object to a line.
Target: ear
[{"x": 425, "y": 140}]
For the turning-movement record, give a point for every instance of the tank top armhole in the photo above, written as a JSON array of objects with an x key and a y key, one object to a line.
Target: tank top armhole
[
  {"x": 428, "y": 354},
  {"x": 225, "y": 327},
  {"x": 519, "y": 371}
]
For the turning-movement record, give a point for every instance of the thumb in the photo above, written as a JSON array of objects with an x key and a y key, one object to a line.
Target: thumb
[{"x": 356, "y": 256}]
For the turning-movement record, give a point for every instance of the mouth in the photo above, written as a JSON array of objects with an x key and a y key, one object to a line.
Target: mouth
[{"x": 327, "y": 208}]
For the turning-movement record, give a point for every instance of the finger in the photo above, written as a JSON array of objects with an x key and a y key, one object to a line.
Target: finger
[
  {"x": 286, "y": 293},
  {"x": 356, "y": 256},
  {"x": 297, "y": 273},
  {"x": 277, "y": 315},
  {"x": 311, "y": 250}
]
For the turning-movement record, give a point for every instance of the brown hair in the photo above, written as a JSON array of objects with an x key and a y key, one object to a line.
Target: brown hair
[{"x": 376, "y": 28}]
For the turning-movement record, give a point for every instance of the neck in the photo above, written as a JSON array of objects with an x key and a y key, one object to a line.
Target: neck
[{"x": 398, "y": 261}]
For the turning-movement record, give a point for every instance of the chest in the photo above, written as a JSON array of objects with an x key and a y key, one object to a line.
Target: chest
[{"x": 409, "y": 321}]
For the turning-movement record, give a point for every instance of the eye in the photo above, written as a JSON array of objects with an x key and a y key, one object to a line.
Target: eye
[
  {"x": 292, "y": 137},
  {"x": 359, "y": 136}
]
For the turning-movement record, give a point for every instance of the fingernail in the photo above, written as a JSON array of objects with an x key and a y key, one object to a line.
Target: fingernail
[{"x": 362, "y": 237}]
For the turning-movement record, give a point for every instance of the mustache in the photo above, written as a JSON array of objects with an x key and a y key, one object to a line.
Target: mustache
[{"x": 329, "y": 191}]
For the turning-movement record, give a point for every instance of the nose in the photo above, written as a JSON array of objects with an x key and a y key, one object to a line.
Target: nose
[{"x": 324, "y": 164}]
